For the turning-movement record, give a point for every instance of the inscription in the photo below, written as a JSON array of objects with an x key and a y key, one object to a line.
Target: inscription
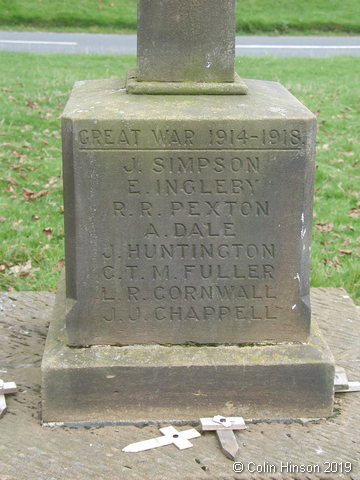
[
  {"x": 271, "y": 137},
  {"x": 188, "y": 139},
  {"x": 231, "y": 186},
  {"x": 219, "y": 271},
  {"x": 182, "y": 164},
  {"x": 191, "y": 272},
  {"x": 206, "y": 313},
  {"x": 182, "y": 245},
  {"x": 195, "y": 230},
  {"x": 193, "y": 209},
  {"x": 191, "y": 292},
  {"x": 109, "y": 137},
  {"x": 209, "y": 312},
  {"x": 173, "y": 137},
  {"x": 182, "y": 251},
  {"x": 211, "y": 292}
]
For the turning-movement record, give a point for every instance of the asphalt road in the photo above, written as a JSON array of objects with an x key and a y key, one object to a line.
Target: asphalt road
[{"x": 46, "y": 42}]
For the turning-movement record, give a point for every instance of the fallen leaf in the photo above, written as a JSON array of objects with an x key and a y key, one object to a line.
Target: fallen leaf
[
  {"x": 342, "y": 253},
  {"x": 347, "y": 241},
  {"x": 27, "y": 193},
  {"x": 48, "y": 232},
  {"x": 9, "y": 189},
  {"x": 31, "y": 195},
  {"x": 31, "y": 104},
  {"x": 10, "y": 180},
  {"x": 2, "y": 219},
  {"x": 35, "y": 217},
  {"x": 354, "y": 212},
  {"x": 51, "y": 181},
  {"x": 23, "y": 269},
  {"x": 331, "y": 263},
  {"x": 17, "y": 154},
  {"x": 2, "y": 268},
  {"x": 324, "y": 227}
]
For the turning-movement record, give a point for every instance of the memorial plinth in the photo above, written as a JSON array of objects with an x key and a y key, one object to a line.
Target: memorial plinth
[
  {"x": 204, "y": 211},
  {"x": 189, "y": 224},
  {"x": 188, "y": 209}
]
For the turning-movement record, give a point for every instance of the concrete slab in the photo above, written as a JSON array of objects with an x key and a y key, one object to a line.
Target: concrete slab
[{"x": 32, "y": 452}]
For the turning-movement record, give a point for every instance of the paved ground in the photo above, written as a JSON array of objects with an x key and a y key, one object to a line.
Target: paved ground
[
  {"x": 32, "y": 452},
  {"x": 46, "y": 42}
]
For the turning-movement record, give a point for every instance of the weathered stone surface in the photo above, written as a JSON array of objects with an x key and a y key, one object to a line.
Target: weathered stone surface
[
  {"x": 32, "y": 452},
  {"x": 147, "y": 383},
  {"x": 188, "y": 219},
  {"x": 186, "y": 41},
  {"x": 238, "y": 87}
]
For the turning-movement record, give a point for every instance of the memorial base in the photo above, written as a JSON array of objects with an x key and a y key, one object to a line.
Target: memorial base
[
  {"x": 237, "y": 87},
  {"x": 141, "y": 384}
]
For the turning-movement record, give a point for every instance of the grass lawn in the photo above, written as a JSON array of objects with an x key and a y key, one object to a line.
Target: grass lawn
[
  {"x": 253, "y": 16},
  {"x": 33, "y": 91}
]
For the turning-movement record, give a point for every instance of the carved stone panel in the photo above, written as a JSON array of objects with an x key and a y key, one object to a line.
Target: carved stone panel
[{"x": 188, "y": 220}]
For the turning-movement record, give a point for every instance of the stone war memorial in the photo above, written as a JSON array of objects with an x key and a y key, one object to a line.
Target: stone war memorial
[{"x": 188, "y": 211}]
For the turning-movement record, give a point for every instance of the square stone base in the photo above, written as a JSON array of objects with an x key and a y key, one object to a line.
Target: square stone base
[
  {"x": 153, "y": 383},
  {"x": 188, "y": 217}
]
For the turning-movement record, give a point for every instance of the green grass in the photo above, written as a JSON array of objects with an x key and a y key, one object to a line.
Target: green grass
[
  {"x": 253, "y": 16},
  {"x": 33, "y": 91}
]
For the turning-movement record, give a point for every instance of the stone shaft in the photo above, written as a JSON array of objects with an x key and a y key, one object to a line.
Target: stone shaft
[
  {"x": 187, "y": 220},
  {"x": 187, "y": 40}
]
